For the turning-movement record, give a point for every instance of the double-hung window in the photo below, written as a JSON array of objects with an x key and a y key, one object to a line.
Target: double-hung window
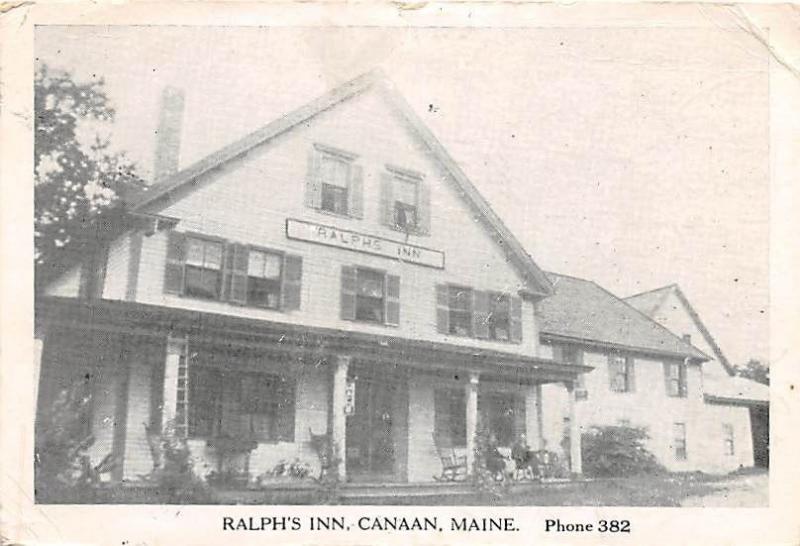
[
  {"x": 450, "y": 417},
  {"x": 499, "y": 318},
  {"x": 203, "y": 268},
  {"x": 334, "y": 179},
  {"x": 679, "y": 441},
  {"x": 727, "y": 438},
  {"x": 460, "y": 305},
  {"x": 621, "y": 373},
  {"x": 370, "y": 294},
  {"x": 405, "y": 203},
  {"x": 676, "y": 379},
  {"x": 264, "y": 279}
]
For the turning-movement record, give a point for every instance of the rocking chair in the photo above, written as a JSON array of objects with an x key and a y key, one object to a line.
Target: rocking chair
[{"x": 454, "y": 466}]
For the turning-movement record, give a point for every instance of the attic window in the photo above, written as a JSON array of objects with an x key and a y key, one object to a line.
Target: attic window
[
  {"x": 334, "y": 176},
  {"x": 334, "y": 182}
]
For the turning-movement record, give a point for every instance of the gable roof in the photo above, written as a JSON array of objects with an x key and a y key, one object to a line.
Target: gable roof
[
  {"x": 539, "y": 283},
  {"x": 582, "y": 311},
  {"x": 650, "y": 303}
]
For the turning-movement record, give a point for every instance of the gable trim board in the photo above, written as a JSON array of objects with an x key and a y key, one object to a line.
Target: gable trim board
[{"x": 154, "y": 197}]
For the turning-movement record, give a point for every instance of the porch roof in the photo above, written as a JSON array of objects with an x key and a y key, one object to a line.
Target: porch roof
[{"x": 145, "y": 319}]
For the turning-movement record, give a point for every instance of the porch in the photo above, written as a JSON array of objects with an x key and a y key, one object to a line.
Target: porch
[{"x": 387, "y": 406}]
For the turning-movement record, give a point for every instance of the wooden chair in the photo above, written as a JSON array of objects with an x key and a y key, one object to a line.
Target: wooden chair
[{"x": 454, "y": 466}]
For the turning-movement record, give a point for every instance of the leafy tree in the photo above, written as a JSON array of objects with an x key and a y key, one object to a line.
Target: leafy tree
[
  {"x": 755, "y": 370},
  {"x": 610, "y": 451},
  {"x": 78, "y": 179}
]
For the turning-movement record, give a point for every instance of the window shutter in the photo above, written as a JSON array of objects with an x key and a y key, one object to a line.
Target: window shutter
[
  {"x": 387, "y": 201},
  {"x": 284, "y": 426},
  {"x": 238, "y": 290},
  {"x": 174, "y": 268},
  {"x": 393, "y": 300},
  {"x": 631, "y": 368},
  {"x": 313, "y": 182},
  {"x": 480, "y": 314},
  {"x": 292, "y": 282},
  {"x": 442, "y": 309},
  {"x": 423, "y": 208},
  {"x": 516, "y": 320},
  {"x": 227, "y": 267},
  {"x": 348, "y": 302},
  {"x": 355, "y": 193}
]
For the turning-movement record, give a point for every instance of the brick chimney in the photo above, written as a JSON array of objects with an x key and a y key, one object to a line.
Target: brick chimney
[
  {"x": 687, "y": 338},
  {"x": 168, "y": 134}
]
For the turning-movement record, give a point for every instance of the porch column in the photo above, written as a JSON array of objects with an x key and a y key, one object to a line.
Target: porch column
[
  {"x": 576, "y": 468},
  {"x": 472, "y": 419},
  {"x": 38, "y": 348},
  {"x": 339, "y": 420},
  {"x": 539, "y": 418}
]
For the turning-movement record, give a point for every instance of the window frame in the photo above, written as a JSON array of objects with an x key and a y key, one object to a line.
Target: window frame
[
  {"x": 680, "y": 382},
  {"x": 456, "y": 400},
  {"x": 346, "y": 158},
  {"x": 728, "y": 439},
  {"x": 282, "y": 256},
  {"x": 679, "y": 443},
  {"x": 383, "y": 299},
  {"x": 205, "y": 240},
  {"x": 615, "y": 360},
  {"x": 471, "y": 312},
  {"x": 399, "y": 174},
  {"x": 494, "y": 296},
  {"x": 221, "y": 380}
]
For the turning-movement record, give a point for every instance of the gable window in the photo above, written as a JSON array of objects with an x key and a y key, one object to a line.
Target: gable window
[
  {"x": 369, "y": 295},
  {"x": 405, "y": 201},
  {"x": 727, "y": 438},
  {"x": 450, "y": 417},
  {"x": 676, "y": 379},
  {"x": 334, "y": 175},
  {"x": 460, "y": 305},
  {"x": 203, "y": 268},
  {"x": 499, "y": 319},
  {"x": 679, "y": 441},
  {"x": 334, "y": 182},
  {"x": 264, "y": 279},
  {"x": 621, "y": 373},
  {"x": 253, "y": 405}
]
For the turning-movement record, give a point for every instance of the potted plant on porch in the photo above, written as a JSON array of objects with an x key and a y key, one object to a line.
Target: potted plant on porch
[{"x": 228, "y": 448}]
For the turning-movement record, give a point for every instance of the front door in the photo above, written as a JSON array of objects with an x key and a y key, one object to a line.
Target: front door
[{"x": 371, "y": 431}]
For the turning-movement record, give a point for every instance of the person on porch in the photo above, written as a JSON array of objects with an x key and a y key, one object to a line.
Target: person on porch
[
  {"x": 522, "y": 457},
  {"x": 495, "y": 462}
]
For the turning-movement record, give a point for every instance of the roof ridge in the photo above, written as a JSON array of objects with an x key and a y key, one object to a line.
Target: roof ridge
[{"x": 651, "y": 291}]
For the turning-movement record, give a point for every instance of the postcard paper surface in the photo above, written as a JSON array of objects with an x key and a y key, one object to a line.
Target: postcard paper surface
[{"x": 437, "y": 274}]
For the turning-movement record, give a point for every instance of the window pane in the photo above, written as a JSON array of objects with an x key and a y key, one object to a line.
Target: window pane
[
  {"x": 263, "y": 292},
  {"x": 272, "y": 266},
  {"x": 194, "y": 252},
  {"x": 369, "y": 309},
  {"x": 370, "y": 283},
  {"x": 334, "y": 199},
  {"x": 213, "y": 257},
  {"x": 460, "y": 298},
  {"x": 334, "y": 171},
  {"x": 255, "y": 264},
  {"x": 202, "y": 283},
  {"x": 405, "y": 216},
  {"x": 405, "y": 191}
]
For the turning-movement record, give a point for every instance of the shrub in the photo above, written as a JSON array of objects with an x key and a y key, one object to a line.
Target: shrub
[
  {"x": 173, "y": 471},
  {"x": 614, "y": 451},
  {"x": 63, "y": 469}
]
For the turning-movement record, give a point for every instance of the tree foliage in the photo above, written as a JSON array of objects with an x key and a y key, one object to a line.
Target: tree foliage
[
  {"x": 755, "y": 370},
  {"x": 78, "y": 178}
]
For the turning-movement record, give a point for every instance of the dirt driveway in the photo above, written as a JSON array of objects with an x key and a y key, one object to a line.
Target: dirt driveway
[{"x": 750, "y": 490}]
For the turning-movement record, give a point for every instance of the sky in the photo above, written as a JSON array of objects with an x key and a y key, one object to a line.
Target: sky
[{"x": 635, "y": 157}]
